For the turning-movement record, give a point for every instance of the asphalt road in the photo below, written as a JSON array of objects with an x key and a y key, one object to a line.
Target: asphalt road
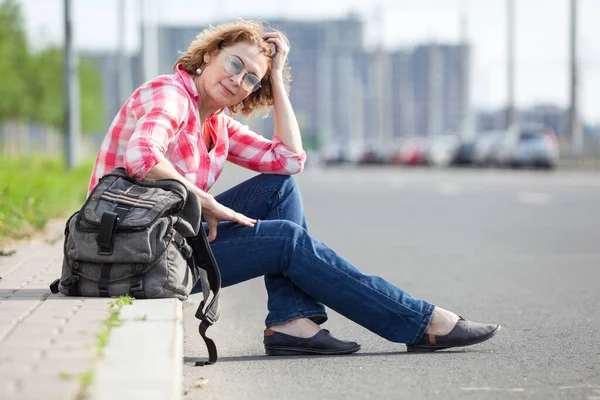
[{"x": 520, "y": 248}]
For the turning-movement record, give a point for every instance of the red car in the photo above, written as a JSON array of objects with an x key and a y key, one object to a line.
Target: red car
[{"x": 412, "y": 152}]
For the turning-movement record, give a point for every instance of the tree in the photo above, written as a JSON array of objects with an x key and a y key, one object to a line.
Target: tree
[
  {"x": 92, "y": 97},
  {"x": 32, "y": 85},
  {"x": 48, "y": 86},
  {"x": 15, "y": 101}
]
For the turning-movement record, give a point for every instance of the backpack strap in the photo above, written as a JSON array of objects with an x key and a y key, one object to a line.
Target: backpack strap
[
  {"x": 106, "y": 233},
  {"x": 210, "y": 277}
]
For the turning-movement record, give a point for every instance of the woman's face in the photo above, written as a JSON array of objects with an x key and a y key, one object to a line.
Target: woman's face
[{"x": 220, "y": 85}]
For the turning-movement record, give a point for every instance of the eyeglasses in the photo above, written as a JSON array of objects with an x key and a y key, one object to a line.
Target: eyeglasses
[{"x": 234, "y": 66}]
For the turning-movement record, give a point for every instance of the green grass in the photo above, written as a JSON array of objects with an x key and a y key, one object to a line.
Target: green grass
[
  {"x": 121, "y": 301},
  {"x": 34, "y": 190},
  {"x": 112, "y": 321},
  {"x": 86, "y": 378}
]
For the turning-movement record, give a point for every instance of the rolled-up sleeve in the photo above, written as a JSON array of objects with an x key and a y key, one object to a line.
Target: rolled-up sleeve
[
  {"x": 160, "y": 111},
  {"x": 257, "y": 153}
]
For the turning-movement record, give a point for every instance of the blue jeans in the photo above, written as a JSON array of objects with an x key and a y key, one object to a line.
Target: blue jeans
[{"x": 301, "y": 273}]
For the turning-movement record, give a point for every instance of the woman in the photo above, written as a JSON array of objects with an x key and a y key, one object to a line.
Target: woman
[{"x": 175, "y": 127}]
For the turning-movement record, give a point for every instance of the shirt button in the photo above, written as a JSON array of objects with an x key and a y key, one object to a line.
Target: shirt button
[{"x": 208, "y": 159}]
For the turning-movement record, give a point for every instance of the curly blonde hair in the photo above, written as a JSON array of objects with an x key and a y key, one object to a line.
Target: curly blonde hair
[{"x": 215, "y": 38}]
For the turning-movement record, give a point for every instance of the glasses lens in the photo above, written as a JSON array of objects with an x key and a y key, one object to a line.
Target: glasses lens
[
  {"x": 251, "y": 82},
  {"x": 233, "y": 66}
]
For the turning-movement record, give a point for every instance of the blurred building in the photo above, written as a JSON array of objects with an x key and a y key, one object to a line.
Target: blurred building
[
  {"x": 341, "y": 92},
  {"x": 327, "y": 84},
  {"x": 548, "y": 116},
  {"x": 107, "y": 64},
  {"x": 440, "y": 89},
  {"x": 490, "y": 120},
  {"x": 403, "y": 94},
  {"x": 367, "y": 93}
]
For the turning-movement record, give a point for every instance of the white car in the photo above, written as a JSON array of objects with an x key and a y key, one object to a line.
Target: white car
[
  {"x": 536, "y": 149},
  {"x": 442, "y": 150}
]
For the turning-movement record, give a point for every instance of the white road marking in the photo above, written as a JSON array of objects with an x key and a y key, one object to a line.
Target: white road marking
[
  {"x": 491, "y": 389},
  {"x": 579, "y": 387},
  {"x": 534, "y": 198},
  {"x": 395, "y": 182},
  {"x": 448, "y": 188}
]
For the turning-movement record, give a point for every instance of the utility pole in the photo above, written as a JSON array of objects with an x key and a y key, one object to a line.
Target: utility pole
[
  {"x": 124, "y": 68},
  {"x": 379, "y": 77},
  {"x": 466, "y": 128},
  {"x": 71, "y": 76},
  {"x": 143, "y": 40},
  {"x": 575, "y": 128},
  {"x": 149, "y": 41},
  {"x": 435, "y": 90},
  {"x": 511, "y": 114}
]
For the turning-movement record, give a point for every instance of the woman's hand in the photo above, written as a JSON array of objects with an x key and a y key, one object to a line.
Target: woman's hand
[
  {"x": 282, "y": 48},
  {"x": 214, "y": 212}
]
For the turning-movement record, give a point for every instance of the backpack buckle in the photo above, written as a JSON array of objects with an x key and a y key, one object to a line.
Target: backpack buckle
[
  {"x": 137, "y": 286},
  {"x": 54, "y": 286},
  {"x": 71, "y": 283}
]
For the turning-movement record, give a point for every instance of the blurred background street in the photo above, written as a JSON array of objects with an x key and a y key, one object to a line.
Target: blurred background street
[{"x": 484, "y": 83}]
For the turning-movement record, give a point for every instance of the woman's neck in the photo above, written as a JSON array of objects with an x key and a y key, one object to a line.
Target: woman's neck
[
  {"x": 206, "y": 111},
  {"x": 205, "y": 108}
]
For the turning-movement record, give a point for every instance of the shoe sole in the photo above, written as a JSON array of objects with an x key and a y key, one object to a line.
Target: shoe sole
[
  {"x": 428, "y": 348},
  {"x": 302, "y": 351}
]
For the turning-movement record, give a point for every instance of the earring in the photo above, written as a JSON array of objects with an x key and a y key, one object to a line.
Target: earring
[
  {"x": 198, "y": 71},
  {"x": 241, "y": 106}
]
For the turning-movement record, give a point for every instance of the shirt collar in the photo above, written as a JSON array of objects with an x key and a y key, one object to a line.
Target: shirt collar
[{"x": 188, "y": 82}]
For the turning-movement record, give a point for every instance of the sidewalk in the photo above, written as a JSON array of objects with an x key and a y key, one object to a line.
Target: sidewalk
[{"x": 49, "y": 342}]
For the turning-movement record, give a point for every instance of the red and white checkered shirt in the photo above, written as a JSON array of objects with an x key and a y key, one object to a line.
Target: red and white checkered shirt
[{"x": 161, "y": 119}]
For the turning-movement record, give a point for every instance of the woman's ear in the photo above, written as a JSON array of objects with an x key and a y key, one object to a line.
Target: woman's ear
[{"x": 209, "y": 55}]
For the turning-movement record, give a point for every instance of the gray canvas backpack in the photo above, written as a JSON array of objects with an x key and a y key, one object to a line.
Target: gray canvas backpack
[{"x": 142, "y": 239}]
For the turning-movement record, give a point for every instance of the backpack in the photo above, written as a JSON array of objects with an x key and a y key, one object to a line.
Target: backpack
[{"x": 142, "y": 239}]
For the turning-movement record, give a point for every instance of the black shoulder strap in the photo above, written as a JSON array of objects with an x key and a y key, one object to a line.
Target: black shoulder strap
[{"x": 210, "y": 277}]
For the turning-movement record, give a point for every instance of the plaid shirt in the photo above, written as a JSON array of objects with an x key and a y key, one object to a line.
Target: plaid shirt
[{"x": 161, "y": 119}]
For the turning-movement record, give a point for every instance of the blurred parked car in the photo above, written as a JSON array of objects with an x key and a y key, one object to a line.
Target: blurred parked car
[
  {"x": 535, "y": 148},
  {"x": 373, "y": 157},
  {"x": 464, "y": 153},
  {"x": 413, "y": 151},
  {"x": 486, "y": 144},
  {"x": 442, "y": 150},
  {"x": 526, "y": 146},
  {"x": 335, "y": 154}
]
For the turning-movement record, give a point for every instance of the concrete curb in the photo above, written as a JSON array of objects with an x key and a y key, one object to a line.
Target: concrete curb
[{"x": 144, "y": 355}]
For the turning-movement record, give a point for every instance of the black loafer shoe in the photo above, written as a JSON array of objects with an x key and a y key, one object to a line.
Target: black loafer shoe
[
  {"x": 464, "y": 333},
  {"x": 280, "y": 344}
]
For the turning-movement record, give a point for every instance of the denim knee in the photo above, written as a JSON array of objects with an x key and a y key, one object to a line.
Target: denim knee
[
  {"x": 294, "y": 237},
  {"x": 281, "y": 182},
  {"x": 288, "y": 182}
]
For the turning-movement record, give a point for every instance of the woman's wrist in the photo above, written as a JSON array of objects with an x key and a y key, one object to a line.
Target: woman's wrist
[
  {"x": 276, "y": 79},
  {"x": 202, "y": 195}
]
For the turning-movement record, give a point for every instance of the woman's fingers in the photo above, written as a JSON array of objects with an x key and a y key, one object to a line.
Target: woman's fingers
[
  {"x": 225, "y": 214},
  {"x": 280, "y": 46},
  {"x": 276, "y": 36},
  {"x": 271, "y": 34},
  {"x": 242, "y": 219},
  {"x": 212, "y": 229}
]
